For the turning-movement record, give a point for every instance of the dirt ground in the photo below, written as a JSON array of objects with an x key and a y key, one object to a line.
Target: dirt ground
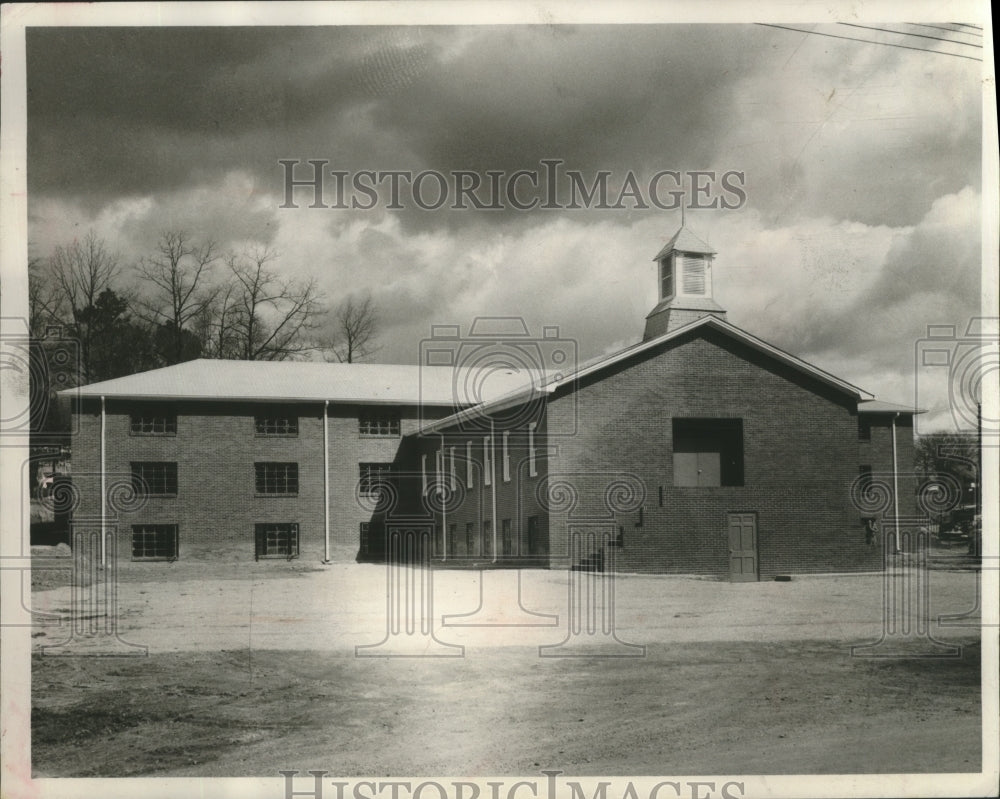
[{"x": 251, "y": 668}]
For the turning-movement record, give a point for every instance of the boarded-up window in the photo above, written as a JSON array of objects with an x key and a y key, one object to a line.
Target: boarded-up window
[
  {"x": 708, "y": 452},
  {"x": 694, "y": 274}
]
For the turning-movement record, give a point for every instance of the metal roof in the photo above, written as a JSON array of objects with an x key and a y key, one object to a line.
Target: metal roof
[
  {"x": 685, "y": 303},
  {"x": 881, "y": 406},
  {"x": 549, "y": 386},
  {"x": 310, "y": 381},
  {"x": 684, "y": 241}
]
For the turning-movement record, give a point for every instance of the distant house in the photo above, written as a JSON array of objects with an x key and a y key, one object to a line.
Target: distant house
[{"x": 701, "y": 449}]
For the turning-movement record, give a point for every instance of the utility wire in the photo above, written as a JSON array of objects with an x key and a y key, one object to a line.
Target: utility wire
[
  {"x": 940, "y": 28},
  {"x": 868, "y": 41},
  {"x": 904, "y": 33}
]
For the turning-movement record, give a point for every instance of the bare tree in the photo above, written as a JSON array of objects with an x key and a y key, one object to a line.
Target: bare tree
[
  {"x": 355, "y": 329},
  {"x": 79, "y": 274},
  {"x": 178, "y": 274},
  {"x": 43, "y": 298},
  {"x": 267, "y": 318}
]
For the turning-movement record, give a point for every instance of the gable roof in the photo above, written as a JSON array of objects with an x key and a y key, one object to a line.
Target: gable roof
[
  {"x": 307, "y": 381},
  {"x": 684, "y": 241},
  {"x": 549, "y": 386}
]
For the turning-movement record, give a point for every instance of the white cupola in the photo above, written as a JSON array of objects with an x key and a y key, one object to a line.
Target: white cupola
[{"x": 685, "y": 284}]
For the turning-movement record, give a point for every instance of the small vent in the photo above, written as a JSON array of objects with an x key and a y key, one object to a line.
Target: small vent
[{"x": 694, "y": 275}]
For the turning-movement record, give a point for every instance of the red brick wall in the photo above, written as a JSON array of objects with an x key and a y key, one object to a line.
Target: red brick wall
[
  {"x": 801, "y": 455},
  {"x": 215, "y": 448}
]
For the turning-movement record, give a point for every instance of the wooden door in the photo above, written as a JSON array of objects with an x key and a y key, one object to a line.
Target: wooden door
[{"x": 743, "y": 566}]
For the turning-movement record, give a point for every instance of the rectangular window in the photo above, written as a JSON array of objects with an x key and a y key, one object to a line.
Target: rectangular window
[
  {"x": 506, "y": 456},
  {"x": 533, "y": 537},
  {"x": 451, "y": 454},
  {"x": 371, "y": 475},
  {"x": 154, "y": 423},
  {"x": 279, "y": 540},
  {"x": 487, "y": 462},
  {"x": 470, "y": 538},
  {"x": 532, "y": 467},
  {"x": 154, "y": 542},
  {"x": 363, "y": 531},
  {"x": 276, "y": 425},
  {"x": 694, "y": 274},
  {"x": 276, "y": 478},
  {"x": 505, "y": 536},
  {"x": 708, "y": 452},
  {"x": 452, "y": 536},
  {"x": 864, "y": 428},
  {"x": 468, "y": 464},
  {"x": 154, "y": 478},
  {"x": 378, "y": 425},
  {"x": 666, "y": 279},
  {"x": 488, "y": 537}
]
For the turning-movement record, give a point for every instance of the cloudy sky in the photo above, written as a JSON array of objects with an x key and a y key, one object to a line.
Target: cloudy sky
[{"x": 862, "y": 167}]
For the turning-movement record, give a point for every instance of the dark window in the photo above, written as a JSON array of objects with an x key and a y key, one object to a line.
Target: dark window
[
  {"x": 379, "y": 425},
  {"x": 470, "y": 538},
  {"x": 277, "y": 478},
  {"x": 371, "y": 475},
  {"x": 276, "y": 425},
  {"x": 155, "y": 478},
  {"x": 505, "y": 536},
  {"x": 154, "y": 542},
  {"x": 708, "y": 452},
  {"x": 533, "y": 537},
  {"x": 864, "y": 428},
  {"x": 488, "y": 537},
  {"x": 666, "y": 279},
  {"x": 154, "y": 423},
  {"x": 276, "y": 540},
  {"x": 363, "y": 537},
  {"x": 452, "y": 535}
]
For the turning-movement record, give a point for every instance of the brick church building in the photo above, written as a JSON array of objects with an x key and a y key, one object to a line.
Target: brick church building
[{"x": 701, "y": 449}]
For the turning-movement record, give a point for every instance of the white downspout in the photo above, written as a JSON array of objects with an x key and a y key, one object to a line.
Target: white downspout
[
  {"x": 104, "y": 485},
  {"x": 326, "y": 482},
  {"x": 493, "y": 482},
  {"x": 444, "y": 504},
  {"x": 895, "y": 487}
]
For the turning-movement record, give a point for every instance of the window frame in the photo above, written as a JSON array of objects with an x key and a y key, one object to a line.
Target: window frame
[
  {"x": 261, "y": 420},
  {"x": 261, "y": 472},
  {"x": 169, "y": 418},
  {"x": 390, "y": 420},
  {"x": 364, "y": 533},
  {"x": 141, "y": 528},
  {"x": 365, "y": 476},
  {"x": 666, "y": 278},
  {"x": 260, "y": 538},
  {"x": 139, "y": 469}
]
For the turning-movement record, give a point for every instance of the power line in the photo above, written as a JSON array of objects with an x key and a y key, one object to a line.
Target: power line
[
  {"x": 940, "y": 28},
  {"x": 904, "y": 33},
  {"x": 869, "y": 41}
]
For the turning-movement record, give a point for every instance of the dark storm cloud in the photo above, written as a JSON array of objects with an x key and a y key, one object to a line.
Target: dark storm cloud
[{"x": 137, "y": 111}]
